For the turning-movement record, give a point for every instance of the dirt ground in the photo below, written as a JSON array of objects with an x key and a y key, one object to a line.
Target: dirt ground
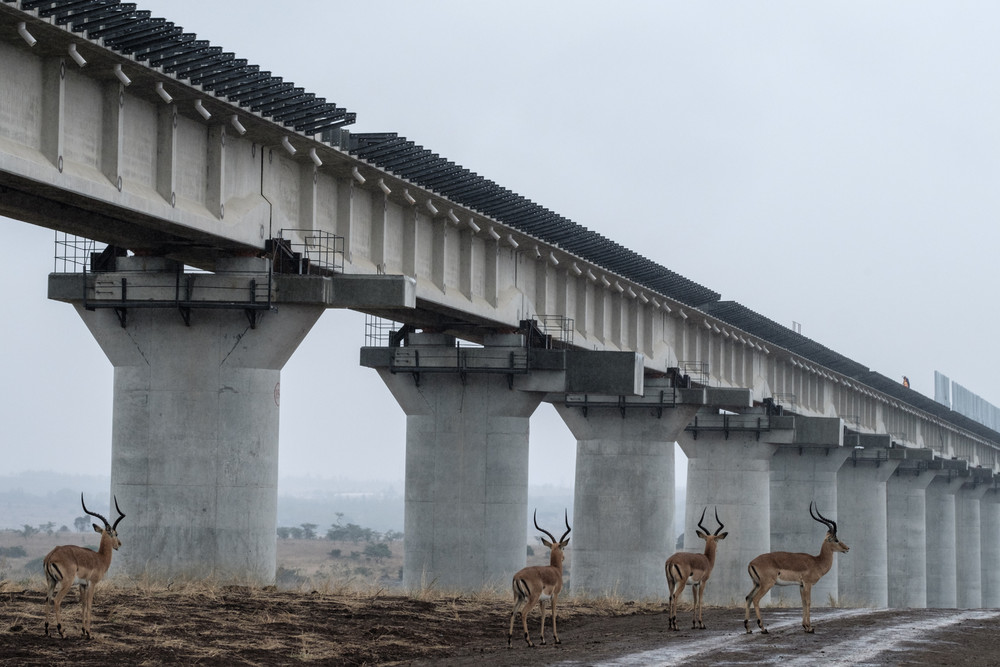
[{"x": 244, "y": 626}]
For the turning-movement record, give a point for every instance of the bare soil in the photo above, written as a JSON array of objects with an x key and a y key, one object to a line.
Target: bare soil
[
  {"x": 345, "y": 609},
  {"x": 246, "y": 626}
]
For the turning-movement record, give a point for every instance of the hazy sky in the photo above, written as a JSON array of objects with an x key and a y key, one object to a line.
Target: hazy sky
[{"x": 832, "y": 164}]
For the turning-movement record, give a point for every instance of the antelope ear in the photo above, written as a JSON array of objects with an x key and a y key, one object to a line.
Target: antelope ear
[
  {"x": 701, "y": 534},
  {"x": 564, "y": 542},
  {"x": 546, "y": 542},
  {"x": 722, "y": 536},
  {"x": 97, "y": 529}
]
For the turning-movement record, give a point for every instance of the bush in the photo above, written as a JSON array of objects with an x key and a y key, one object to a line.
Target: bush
[
  {"x": 379, "y": 551},
  {"x": 13, "y": 552},
  {"x": 286, "y": 577}
]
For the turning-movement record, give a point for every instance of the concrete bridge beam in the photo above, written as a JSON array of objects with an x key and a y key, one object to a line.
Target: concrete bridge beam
[
  {"x": 863, "y": 573},
  {"x": 906, "y": 511}
]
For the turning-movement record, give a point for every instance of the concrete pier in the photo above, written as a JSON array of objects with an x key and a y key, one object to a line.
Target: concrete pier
[
  {"x": 624, "y": 495},
  {"x": 195, "y": 428},
  {"x": 466, "y": 469},
  {"x": 906, "y": 509},
  {"x": 989, "y": 514},
  {"x": 968, "y": 549},
  {"x": 861, "y": 501},
  {"x": 729, "y": 471},
  {"x": 801, "y": 473},
  {"x": 942, "y": 582}
]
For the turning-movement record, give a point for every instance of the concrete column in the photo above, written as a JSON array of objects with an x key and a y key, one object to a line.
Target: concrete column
[
  {"x": 194, "y": 461},
  {"x": 968, "y": 550},
  {"x": 942, "y": 582},
  {"x": 624, "y": 497},
  {"x": 799, "y": 476},
  {"x": 861, "y": 502},
  {"x": 989, "y": 514},
  {"x": 906, "y": 509},
  {"x": 466, "y": 481},
  {"x": 733, "y": 474}
]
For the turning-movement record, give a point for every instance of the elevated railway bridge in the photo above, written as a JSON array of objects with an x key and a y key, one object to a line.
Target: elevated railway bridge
[{"x": 208, "y": 212}]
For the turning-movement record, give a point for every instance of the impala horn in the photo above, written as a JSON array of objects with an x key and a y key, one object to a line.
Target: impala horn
[{"x": 832, "y": 525}]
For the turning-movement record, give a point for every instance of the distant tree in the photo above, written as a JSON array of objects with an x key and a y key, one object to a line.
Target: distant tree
[
  {"x": 295, "y": 532},
  {"x": 393, "y": 535},
  {"x": 352, "y": 532},
  {"x": 379, "y": 551},
  {"x": 47, "y": 528},
  {"x": 309, "y": 531},
  {"x": 27, "y": 531},
  {"x": 531, "y": 551},
  {"x": 283, "y": 532},
  {"x": 81, "y": 523},
  {"x": 64, "y": 528}
]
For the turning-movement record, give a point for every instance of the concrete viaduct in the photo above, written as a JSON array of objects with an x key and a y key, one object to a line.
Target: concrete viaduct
[{"x": 212, "y": 212}]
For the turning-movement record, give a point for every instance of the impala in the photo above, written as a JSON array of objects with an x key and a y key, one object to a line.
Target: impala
[
  {"x": 70, "y": 564},
  {"x": 530, "y": 583},
  {"x": 683, "y": 567},
  {"x": 783, "y": 568}
]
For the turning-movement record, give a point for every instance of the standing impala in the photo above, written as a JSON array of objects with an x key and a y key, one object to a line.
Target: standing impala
[
  {"x": 784, "y": 569},
  {"x": 70, "y": 564},
  {"x": 530, "y": 583},
  {"x": 696, "y": 568}
]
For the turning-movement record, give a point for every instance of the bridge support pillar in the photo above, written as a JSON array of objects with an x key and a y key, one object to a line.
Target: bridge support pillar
[
  {"x": 800, "y": 475},
  {"x": 863, "y": 573},
  {"x": 466, "y": 492},
  {"x": 624, "y": 496},
  {"x": 732, "y": 472},
  {"x": 906, "y": 512},
  {"x": 989, "y": 513},
  {"x": 942, "y": 582},
  {"x": 194, "y": 460},
  {"x": 968, "y": 549}
]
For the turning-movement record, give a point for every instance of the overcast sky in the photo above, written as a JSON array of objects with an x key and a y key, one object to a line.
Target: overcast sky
[{"x": 831, "y": 164}]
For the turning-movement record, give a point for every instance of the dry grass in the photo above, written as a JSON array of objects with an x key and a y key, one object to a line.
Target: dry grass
[{"x": 345, "y": 611}]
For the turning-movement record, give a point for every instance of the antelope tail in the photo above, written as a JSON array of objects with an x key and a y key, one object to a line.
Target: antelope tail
[
  {"x": 52, "y": 572},
  {"x": 521, "y": 590}
]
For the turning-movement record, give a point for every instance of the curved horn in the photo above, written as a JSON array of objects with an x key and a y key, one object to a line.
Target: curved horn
[
  {"x": 567, "y": 527},
  {"x": 832, "y": 525},
  {"x": 107, "y": 525},
  {"x": 703, "y": 529},
  {"x": 554, "y": 540},
  {"x": 721, "y": 526},
  {"x": 120, "y": 513}
]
